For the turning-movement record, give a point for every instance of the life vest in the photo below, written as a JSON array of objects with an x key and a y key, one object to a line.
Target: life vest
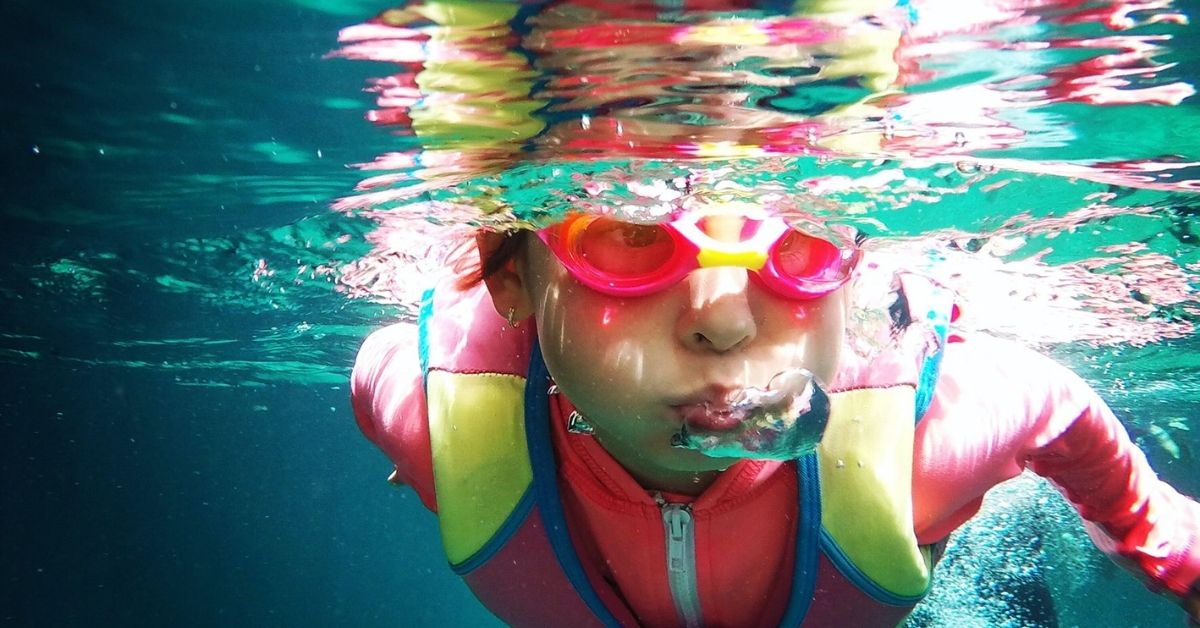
[{"x": 857, "y": 560}]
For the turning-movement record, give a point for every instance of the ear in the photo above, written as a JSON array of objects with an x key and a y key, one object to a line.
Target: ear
[{"x": 507, "y": 284}]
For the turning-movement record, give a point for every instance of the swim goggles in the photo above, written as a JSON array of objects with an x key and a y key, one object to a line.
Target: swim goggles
[{"x": 626, "y": 259}]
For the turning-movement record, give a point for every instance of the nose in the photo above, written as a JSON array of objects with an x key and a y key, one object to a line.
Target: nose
[{"x": 718, "y": 315}]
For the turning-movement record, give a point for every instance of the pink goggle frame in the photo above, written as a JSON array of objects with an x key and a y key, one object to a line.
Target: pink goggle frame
[{"x": 627, "y": 259}]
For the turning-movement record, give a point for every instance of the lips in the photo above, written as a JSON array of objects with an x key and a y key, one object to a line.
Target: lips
[
  {"x": 784, "y": 421},
  {"x": 721, "y": 408},
  {"x": 710, "y": 416}
]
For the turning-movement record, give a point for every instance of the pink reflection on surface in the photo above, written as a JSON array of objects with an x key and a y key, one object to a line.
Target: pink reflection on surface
[
  {"x": 610, "y": 80},
  {"x": 990, "y": 83}
]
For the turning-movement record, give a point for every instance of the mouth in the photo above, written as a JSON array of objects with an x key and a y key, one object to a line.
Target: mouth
[
  {"x": 783, "y": 421},
  {"x": 723, "y": 408},
  {"x": 711, "y": 416}
]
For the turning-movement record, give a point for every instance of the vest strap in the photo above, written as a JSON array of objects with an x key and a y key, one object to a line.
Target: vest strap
[
  {"x": 549, "y": 503},
  {"x": 808, "y": 531}
]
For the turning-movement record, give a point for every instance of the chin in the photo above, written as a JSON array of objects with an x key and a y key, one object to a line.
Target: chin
[{"x": 696, "y": 462}]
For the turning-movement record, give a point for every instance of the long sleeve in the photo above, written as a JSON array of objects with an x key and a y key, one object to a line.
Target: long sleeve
[
  {"x": 999, "y": 409},
  {"x": 389, "y": 405}
]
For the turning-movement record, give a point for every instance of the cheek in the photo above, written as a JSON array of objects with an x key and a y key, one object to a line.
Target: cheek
[
  {"x": 827, "y": 328},
  {"x": 603, "y": 355},
  {"x": 815, "y": 329},
  {"x": 602, "y": 342},
  {"x": 568, "y": 314},
  {"x": 609, "y": 316},
  {"x": 800, "y": 312}
]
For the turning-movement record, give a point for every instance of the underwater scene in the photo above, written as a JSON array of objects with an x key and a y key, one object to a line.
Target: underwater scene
[{"x": 207, "y": 207}]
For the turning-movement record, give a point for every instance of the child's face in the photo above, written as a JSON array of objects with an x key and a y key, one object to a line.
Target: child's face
[{"x": 633, "y": 366}]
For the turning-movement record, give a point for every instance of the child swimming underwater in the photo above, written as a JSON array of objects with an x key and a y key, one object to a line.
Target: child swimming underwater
[
  {"x": 598, "y": 427},
  {"x": 681, "y": 422}
]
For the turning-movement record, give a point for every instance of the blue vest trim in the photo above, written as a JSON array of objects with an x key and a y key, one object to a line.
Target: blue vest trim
[
  {"x": 808, "y": 528},
  {"x": 927, "y": 383},
  {"x": 545, "y": 486},
  {"x": 860, "y": 580},
  {"x": 424, "y": 315},
  {"x": 511, "y": 525},
  {"x": 938, "y": 319}
]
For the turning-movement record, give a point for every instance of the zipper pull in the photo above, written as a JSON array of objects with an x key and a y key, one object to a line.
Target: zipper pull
[
  {"x": 681, "y": 560},
  {"x": 679, "y": 521}
]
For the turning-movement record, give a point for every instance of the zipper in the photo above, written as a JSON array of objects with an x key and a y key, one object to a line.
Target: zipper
[{"x": 681, "y": 560}]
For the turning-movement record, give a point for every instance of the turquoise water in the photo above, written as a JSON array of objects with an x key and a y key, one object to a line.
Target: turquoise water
[{"x": 182, "y": 305}]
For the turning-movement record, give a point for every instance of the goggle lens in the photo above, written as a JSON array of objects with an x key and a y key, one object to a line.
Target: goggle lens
[
  {"x": 624, "y": 250},
  {"x": 803, "y": 256}
]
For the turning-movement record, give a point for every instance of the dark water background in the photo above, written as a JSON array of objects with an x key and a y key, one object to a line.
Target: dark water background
[{"x": 176, "y": 444}]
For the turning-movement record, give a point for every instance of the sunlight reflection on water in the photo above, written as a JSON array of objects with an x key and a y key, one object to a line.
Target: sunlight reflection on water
[{"x": 983, "y": 140}]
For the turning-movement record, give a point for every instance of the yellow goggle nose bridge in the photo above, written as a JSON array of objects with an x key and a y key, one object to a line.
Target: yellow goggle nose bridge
[
  {"x": 711, "y": 256},
  {"x": 720, "y": 243}
]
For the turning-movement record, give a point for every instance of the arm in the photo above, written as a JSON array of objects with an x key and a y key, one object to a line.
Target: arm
[
  {"x": 389, "y": 404},
  {"x": 999, "y": 409}
]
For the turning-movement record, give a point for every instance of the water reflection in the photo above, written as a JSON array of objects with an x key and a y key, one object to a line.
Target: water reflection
[
  {"x": 479, "y": 87},
  {"x": 981, "y": 135}
]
